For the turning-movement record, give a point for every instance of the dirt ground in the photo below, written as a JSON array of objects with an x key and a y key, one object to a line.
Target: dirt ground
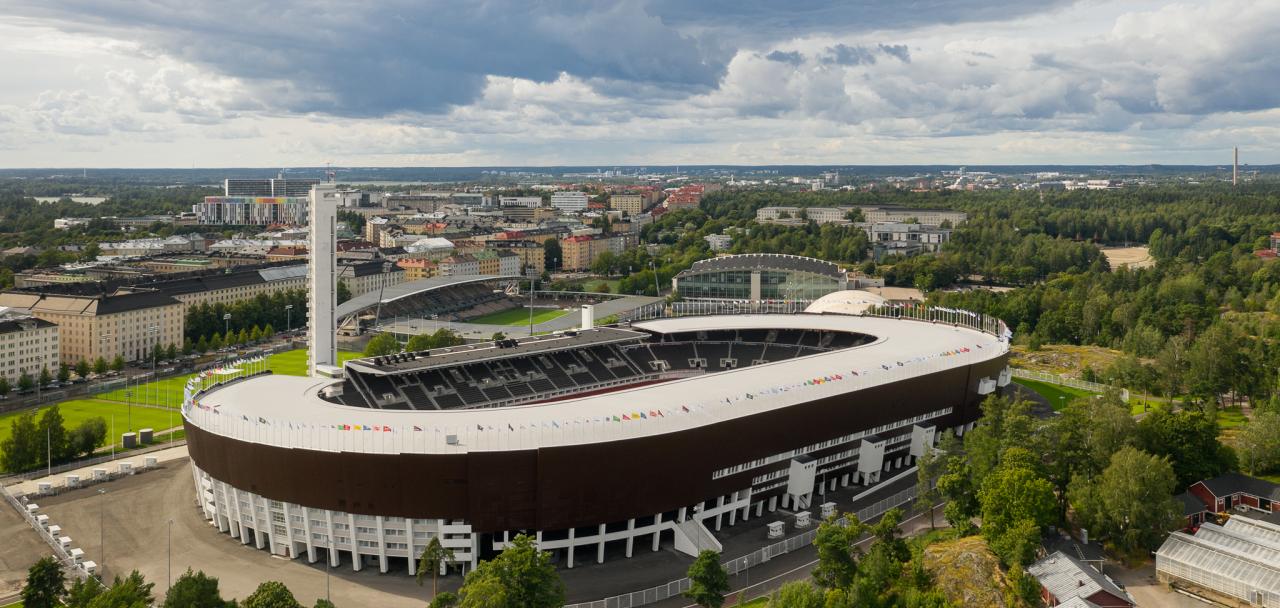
[
  {"x": 1133, "y": 257},
  {"x": 20, "y": 548},
  {"x": 1147, "y": 592},
  {"x": 136, "y": 511}
]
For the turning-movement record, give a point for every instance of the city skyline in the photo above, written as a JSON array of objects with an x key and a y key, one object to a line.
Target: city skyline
[{"x": 638, "y": 83}]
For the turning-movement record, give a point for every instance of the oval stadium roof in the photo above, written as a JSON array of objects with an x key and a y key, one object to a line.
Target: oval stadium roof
[
  {"x": 407, "y": 289},
  {"x": 764, "y": 261}
]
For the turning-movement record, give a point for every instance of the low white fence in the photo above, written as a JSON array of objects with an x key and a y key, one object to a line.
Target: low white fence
[
  {"x": 746, "y": 562},
  {"x": 1061, "y": 380},
  {"x": 63, "y": 555}
]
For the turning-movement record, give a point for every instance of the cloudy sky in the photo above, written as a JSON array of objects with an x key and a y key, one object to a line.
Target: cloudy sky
[{"x": 177, "y": 83}]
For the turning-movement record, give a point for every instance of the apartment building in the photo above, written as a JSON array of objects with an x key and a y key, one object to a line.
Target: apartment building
[
  {"x": 532, "y": 255},
  {"x": 581, "y": 251},
  {"x": 569, "y": 202},
  {"x": 129, "y": 324},
  {"x": 630, "y": 204},
  {"x": 520, "y": 201},
  {"x": 418, "y": 268},
  {"x": 498, "y": 262},
  {"x": 27, "y": 345}
]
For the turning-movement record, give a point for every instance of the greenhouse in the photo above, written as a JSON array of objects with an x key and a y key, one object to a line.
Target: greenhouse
[{"x": 1240, "y": 560}]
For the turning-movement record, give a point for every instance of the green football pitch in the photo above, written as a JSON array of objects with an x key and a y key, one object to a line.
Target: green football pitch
[
  {"x": 166, "y": 393},
  {"x": 519, "y": 316}
]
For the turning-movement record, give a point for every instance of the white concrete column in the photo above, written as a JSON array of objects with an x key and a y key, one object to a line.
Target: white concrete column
[
  {"x": 288, "y": 530},
  {"x": 760, "y": 508},
  {"x": 333, "y": 543},
  {"x": 600, "y": 546},
  {"x": 413, "y": 555},
  {"x": 569, "y": 561},
  {"x": 733, "y": 513},
  {"x": 719, "y": 513},
  {"x": 773, "y": 503},
  {"x": 631, "y": 538},
  {"x": 382, "y": 545},
  {"x": 680, "y": 516},
  {"x": 357, "y": 562},
  {"x": 657, "y": 530}
]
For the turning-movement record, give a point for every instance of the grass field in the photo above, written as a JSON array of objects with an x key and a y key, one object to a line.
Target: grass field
[
  {"x": 1058, "y": 396},
  {"x": 166, "y": 392},
  {"x": 519, "y": 316}
]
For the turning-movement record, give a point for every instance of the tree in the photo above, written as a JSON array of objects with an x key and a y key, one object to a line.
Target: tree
[
  {"x": 20, "y": 451},
  {"x": 552, "y": 255},
  {"x": 497, "y": 335},
  {"x": 82, "y": 369},
  {"x": 344, "y": 292},
  {"x": 131, "y": 592},
  {"x": 838, "y": 552},
  {"x": 187, "y": 347},
  {"x": 52, "y": 433},
  {"x": 4, "y": 386},
  {"x": 117, "y": 364},
  {"x": 929, "y": 467},
  {"x": 323, "y": 603},
  {"x": 797, "y": 594},
  {"x": 1014, "y": 492},
  {"x": 242, "y": 337},
  {"x": 194, "y": 590},
  {"x": 433, "y": 559},
  {"x": 1259, "y": 443},
  {"x": 83, "y": 592},
  {"x": 255, "y": 335},
  {"x": 519, "y": 577},
  {"x": 268, "y": 332},
  {"x": 215, "y": 343},
  {"x": 99, "y": 366},
  {"x": 1131, "y": 502},
  {"x": 956, "y": 486},
  {"x": 64, "y": 373},
  {"x": 708, "y": 580},
  {"x": 85, "y": 438},
  {"x": 448, "y": 599},
  {"x": 25, "y": 383},
  {"x": 382, "y": 344},
  {"x": 202, "y": 345},
  {"x": 171, "y": 351},
  {"x": 271, "y": 594},
  {"x": 1189, "y": 438},
  {"x": 44, "y": 588}
]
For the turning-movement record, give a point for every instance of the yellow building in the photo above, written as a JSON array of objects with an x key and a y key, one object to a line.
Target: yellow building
[
  {"x": 90, "y": 326},
  {"x": 631, "y": 204}
]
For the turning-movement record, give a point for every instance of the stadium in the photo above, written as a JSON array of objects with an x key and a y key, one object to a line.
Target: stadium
[{"x": 647, "y": 433}]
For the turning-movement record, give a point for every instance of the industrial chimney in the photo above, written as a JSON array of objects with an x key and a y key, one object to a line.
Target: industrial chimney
[{"x": 1235, "y": 166}]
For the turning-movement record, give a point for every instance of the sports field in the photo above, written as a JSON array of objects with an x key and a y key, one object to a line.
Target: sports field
[
  {"x": 519, "y": 316},
  {"x": 166, "y": 392},
  {"x": 1057, "y": 396}
]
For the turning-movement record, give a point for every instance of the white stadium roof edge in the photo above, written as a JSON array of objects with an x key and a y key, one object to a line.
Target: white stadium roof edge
[
  {"x": 288, "y": 411},
  {"x": 410, "y": 288}
]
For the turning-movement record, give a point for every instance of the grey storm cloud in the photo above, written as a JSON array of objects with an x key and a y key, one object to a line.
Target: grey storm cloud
[
  {"x": 843, "y": 54},
  {"x": 792, "y": 57},
  {"x": 366, "y": 59}
]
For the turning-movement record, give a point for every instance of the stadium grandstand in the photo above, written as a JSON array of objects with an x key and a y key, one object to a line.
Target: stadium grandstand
[
  {"x": 453, "y": 298},
  {"x": 599, "y": 440}
]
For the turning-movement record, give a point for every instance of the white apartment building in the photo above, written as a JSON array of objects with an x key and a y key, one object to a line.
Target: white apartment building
[
  {"x": 569, "y": 201},
  {"x": 27, "y": 345},
  {"x": 520, "y": 201}
]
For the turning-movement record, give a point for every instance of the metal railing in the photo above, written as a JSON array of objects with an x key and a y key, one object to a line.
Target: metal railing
[
  {"x": 1060, "y": 380},
  {"x": 745, "y": 562}
]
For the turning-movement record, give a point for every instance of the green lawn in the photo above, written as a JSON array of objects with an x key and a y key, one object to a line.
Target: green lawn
[
  {"x": 78, "y": 410},
  {"x": 1057, "y": 395},
  {"x": 166, "y": 392},
  {"x": 519, "y": 316},
  {"x": 1231, "y": 418},
  {"x": 592, "y": 285}
]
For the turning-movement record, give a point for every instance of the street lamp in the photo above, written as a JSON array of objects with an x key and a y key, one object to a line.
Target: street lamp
[
  {"x": 288, "y": 312},
  {"x": 102, "y": 520},
  {"x": 746, "y": 572},
  {"x": 170, "y": 558},
  {"x": 226, "y": 325}
]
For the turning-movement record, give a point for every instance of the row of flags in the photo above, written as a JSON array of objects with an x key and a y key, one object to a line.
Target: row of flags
[{"x": 632, "y": 415}]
